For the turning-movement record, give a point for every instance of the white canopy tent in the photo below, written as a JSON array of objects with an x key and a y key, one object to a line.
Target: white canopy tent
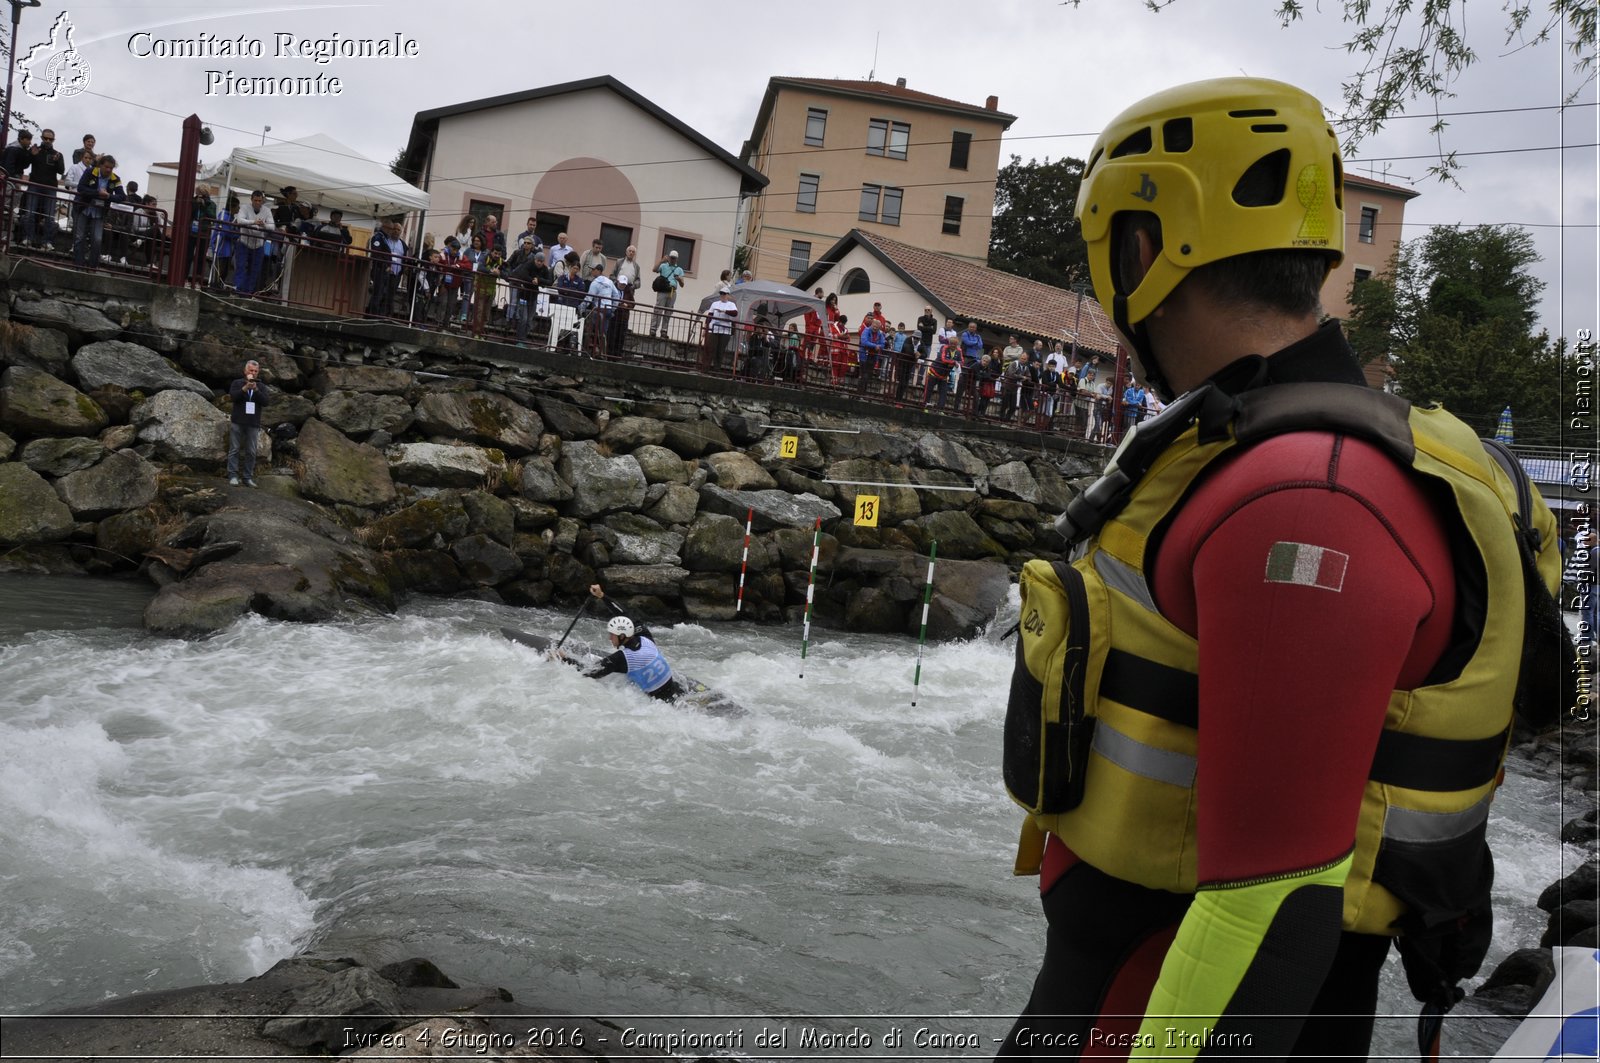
[{"x": 328, "y": 174}]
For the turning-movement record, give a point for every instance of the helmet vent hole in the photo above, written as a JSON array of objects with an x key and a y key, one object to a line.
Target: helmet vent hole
[
  {"x": 1177, "y": 135},
  {"x": 1271, "y": 127},
  {"x": 1261, "y": 112},
  {"x": 1338, "y": 182},
  {"x": 1265, "y": 182},
  {"x": 1137, "y": 144}
]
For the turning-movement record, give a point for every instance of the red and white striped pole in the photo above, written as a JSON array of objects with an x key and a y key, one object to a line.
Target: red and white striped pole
[
  {"x": 811, "y": 587},
  {"x": 745, "y": 562}
]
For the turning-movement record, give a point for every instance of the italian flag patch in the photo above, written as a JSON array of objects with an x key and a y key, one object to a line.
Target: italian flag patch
[{"x": 1306, "y": 565}]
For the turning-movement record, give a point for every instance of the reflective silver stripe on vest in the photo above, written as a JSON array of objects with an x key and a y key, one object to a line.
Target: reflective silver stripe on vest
[
  {"x": 1410, "y": 825},
  {"x": 1119, "y": 575},
  {"x": 1162, "y": 765}
]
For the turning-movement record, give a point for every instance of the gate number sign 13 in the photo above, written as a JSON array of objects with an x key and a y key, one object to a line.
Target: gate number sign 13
[{"x": 866, "y": 511}]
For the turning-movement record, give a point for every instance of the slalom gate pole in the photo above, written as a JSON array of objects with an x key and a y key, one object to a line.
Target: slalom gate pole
[
  {"x": 745, "y": 561},
  {"x": 811, "y": 587},
  {"x": 922, "y": 636}
]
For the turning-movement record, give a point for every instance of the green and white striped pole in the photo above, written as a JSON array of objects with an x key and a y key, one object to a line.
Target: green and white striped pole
[
  {"x": 922, "y": 636},
  {"x": 811, "y": 587}
]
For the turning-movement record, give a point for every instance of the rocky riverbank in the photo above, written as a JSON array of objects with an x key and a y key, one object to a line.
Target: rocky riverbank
[{"x": 481, "y": 470}]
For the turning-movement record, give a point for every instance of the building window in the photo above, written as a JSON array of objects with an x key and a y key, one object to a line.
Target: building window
[
  {"x": 547, "y": 226},
  {"x": 614, "y": 239},
  {"x": 1369, "y": 224},
  {"x": 799, "y": 258},
  {"x": 952, "y": 215},
  {"x": 881, "y": 203},
  {"x": 888, "y": 138},
  {"x": 481, "y": 209},
  {"x": 856, "y": 282},
  {"x": 816, "y": 126},
  {"x": 1363, "y": 274},
  {"x": 685, "y": 248},
  {"x": 806, "y": 200},
  {"x": 960, "y": 147}
]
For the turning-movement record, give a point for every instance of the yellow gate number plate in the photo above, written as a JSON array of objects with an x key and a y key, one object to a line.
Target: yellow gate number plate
[
  {"x": 866, "y": 511},
  {"x": 789, "y": 447}
]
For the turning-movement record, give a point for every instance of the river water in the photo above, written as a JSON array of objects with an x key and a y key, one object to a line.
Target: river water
[{"x": 182, "y": 812}]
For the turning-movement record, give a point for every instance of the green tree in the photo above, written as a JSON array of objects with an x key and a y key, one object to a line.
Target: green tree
[
  {"x": 1455, "y": 311},
  {"x": 1034, "y": 233},
  {"x": 1412, "y": 51}
]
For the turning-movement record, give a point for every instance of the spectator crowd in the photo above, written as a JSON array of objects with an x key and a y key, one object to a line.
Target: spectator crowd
[{"x": 480, "y": 279}]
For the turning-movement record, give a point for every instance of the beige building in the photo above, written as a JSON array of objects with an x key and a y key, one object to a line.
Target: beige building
[
  {"x": 592, "y": 159},
  {"x": 882, "y": 158},
  {"x": 1374, "y": 219}
]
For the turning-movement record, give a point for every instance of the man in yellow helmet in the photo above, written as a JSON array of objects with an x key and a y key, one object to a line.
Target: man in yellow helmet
[{"x": 1257, "y": 722}]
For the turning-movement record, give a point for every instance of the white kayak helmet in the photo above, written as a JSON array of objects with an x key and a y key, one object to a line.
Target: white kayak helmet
[{"x": 620, "y": 626}]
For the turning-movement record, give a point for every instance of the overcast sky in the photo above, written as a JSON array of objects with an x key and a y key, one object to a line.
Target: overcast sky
[{"x": 1062, "y": 71}]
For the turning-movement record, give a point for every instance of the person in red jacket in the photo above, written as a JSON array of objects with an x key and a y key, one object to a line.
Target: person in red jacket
[{"x": 1257, "y": 814}]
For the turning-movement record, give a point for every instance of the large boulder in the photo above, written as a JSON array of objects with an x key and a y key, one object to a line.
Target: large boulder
[
  {"x": 122, "y": 481},
  {"x": 638, "y": 581},
  {"x": 661, "y": 465},
  {"x": 631, "y": 433},
  {"x": 358, "y": 413},
  {"x": 489, "y": 515},
  {"x": 117, "y": 363},
  {"x": 1014, "y": 480},
  {"x": 334, "y": 469},
  {"x": 430, "y": 522},
  {"x": 941, "y": 489},
  {"x": 600, "y": 484},
  {"x": 280, "y": 557},
  {"x": 480, "y": 417},
  {"x": 733, "y": 471},
  {"x": 958, "y": 535},
  {"x": 223, "y": 362},
  {"x": 935, "y": 452},
  {"x": 542, "y": 483},
  {"x": 690, "y": 439},
  {"x": 1054, "y": 491},
  {"x": 677, "y": 505},
  {"x": 44, "y": 349},
  {"x": 875, "y": 610},
  {"x": 890, "y": 447},
  {"x": 30, "y": 511},
  {"x": 773, "y": 509},
  {"x": 769, "y": 450},
  {"x": 635, "y": 540},
  {"x": 895, "y": 503},
  {"x": 966, "y": 596},
  {"x": 716, "y": 544},
  {"x": 186, "y": 428},
  {"x": 34, "y": 403},
  {"x": 440, "y": 465},
  {"x": 565, "y": 419},
  {"x": 57, "y": 457},
  {"x": 485, "y": 562},
  {"x": 82, "y": 324},
  {"x": 370, "y": 378}
]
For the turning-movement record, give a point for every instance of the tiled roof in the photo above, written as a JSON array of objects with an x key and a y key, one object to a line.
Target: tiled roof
[
  {"x": 893, "y": 91},
  {"x": 1363, "y": 181},
  {"x": 1003, "y": 300}
]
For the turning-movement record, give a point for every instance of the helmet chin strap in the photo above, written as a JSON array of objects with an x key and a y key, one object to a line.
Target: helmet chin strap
[{"x": 1141, "y": 347}]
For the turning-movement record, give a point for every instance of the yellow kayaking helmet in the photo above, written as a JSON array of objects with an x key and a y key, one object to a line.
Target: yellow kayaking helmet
[{"x": 1229, "y": 166}]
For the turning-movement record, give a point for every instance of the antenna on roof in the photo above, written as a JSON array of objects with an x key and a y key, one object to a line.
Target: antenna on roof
[{"x": 874, "y": 69}]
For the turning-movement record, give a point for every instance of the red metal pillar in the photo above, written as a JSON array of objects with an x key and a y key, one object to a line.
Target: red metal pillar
[{"x": 183, "y": 208}]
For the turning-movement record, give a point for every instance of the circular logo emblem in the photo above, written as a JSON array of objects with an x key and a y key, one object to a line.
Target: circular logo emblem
[{"x": 67, "y": 74}]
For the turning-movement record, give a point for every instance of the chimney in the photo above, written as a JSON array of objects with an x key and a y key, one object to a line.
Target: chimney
[
  {"x": 992, "y": 103},
  {"x": 899, "y": 83}
]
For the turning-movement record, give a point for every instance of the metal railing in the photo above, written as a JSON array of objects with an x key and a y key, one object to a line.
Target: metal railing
[
  {"x": 336, "y": 278},
  {"x": 46, "y": 223}
]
